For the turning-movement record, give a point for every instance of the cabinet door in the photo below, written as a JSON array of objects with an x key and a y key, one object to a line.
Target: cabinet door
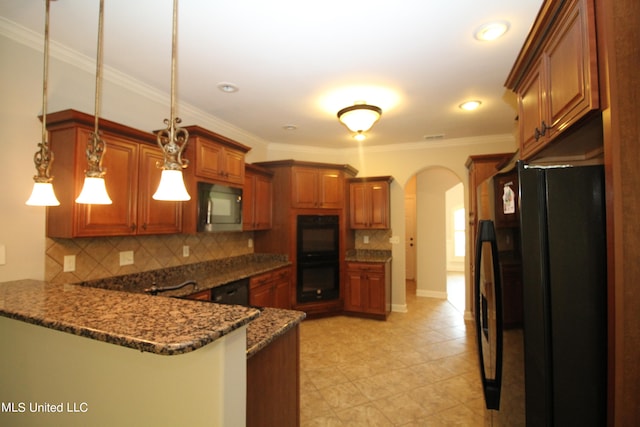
[
  {"x": 263, "y": 202},
  {"x": 121, "y": 163},
  {"x": 155, "y": 216},
  {"x": 375, "y": 292},
  {"x": 331, "y": 189},
  {"x": 355, "y": 290},
  {"x": 359, "y": 212},
  {"x": 304, "y": 187},
  {"x": 281, "y": 288},
  {"x": 248, "y": 202},
  {"x": 261, "y": 295},
  {"x": 379, "y": 205},
  {"x": 532, "y": 109},
  {"x": 209, "y": 159},
  {"x": 233, "y": 166},
  {"x": 572, "y": 81}
]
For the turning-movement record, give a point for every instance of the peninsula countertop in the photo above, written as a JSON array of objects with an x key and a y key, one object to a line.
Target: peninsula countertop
[{"x": 165, "y": 326}]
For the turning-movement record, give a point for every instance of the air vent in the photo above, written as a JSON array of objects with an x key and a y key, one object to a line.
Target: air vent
[{"x": 434, "y": 137}]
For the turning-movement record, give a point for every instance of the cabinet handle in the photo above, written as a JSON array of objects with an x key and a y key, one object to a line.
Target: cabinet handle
[
  {"x": 133, "y": 226},
  {"x": 144, "y": 226},
  {"x": 537, "y": 134},
  {"x": 544, "y": 128}
]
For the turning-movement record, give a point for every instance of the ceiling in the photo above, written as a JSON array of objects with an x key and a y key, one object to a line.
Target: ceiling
[{"x": 298, "y": 62}]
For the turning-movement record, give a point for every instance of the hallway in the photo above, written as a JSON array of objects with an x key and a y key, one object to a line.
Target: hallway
[{"x": 416, "y": 369}]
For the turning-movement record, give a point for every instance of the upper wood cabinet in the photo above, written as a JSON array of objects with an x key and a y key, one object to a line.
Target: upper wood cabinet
[
  {"x": 555, "y": 76},
  {"x": 369, "y": 202},
  {"x": 215, "y": 158},
  {"x": 257, "y": 198},
  {"x": 131, "y": 179},
  {"x": 317, "y": 188}
]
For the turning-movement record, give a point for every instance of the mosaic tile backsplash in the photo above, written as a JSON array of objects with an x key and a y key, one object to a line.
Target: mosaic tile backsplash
[
  {"x": 97, "y": 258},
  {"x": 378, "y": 240}
]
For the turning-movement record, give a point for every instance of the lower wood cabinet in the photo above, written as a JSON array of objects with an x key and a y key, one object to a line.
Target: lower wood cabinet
[
  {"x": 367, "y": 289},
  {"x": 271, "y": 289},
  {"x": 273, "y": 383}
]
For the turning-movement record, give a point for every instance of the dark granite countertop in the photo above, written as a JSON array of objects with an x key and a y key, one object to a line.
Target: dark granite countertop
[
  {"x": 207, "y": 275},
  {"x": 116, "y": 309},
  {"x": 165, "y": 326},
  {"x": 272, "y": 323},
  {"x": 367, "y": 255}
]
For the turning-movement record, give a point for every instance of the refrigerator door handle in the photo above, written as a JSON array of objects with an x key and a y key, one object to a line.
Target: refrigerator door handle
[{"x": 488, "y": 312}]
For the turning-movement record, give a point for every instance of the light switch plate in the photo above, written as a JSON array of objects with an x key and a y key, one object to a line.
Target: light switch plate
[
  {"x": 394, "y": 240},
  {"x": 185, "y": 251},
  {"x": 365, "y": 240},
  {"x": 126, "y": 258}
]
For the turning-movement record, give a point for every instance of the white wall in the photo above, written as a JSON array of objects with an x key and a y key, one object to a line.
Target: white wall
[{"x": 136, "y": 105}]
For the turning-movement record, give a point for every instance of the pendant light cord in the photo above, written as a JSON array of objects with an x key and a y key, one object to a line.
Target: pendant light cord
[{"x": 99, "y": 67}]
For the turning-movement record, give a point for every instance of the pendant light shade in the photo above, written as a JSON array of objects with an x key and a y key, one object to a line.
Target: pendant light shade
[
  {"x": 94, "y": 190},
  {"x": 171, "y": 186},
  {"x": 42, "y": 193},
  {"x": 172, "y": 140},
  {"x": 360, "y": 117}
]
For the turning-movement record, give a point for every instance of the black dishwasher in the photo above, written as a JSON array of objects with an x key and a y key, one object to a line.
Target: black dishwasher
[{"x": 236, "y": 292}]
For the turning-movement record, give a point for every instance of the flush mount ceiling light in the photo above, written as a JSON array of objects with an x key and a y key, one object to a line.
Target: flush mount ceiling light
[
  {"x": 173, "y": 139},
  {"x": 470, "y": 105},
  {"x": 42, "y": 193},
  {"x": 94, "y": 190},
  {"x": 359, "y": 118},
  {"x": 492, "y": 31}
]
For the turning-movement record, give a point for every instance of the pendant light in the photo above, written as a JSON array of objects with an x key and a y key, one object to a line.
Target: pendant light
[
  {"x": 42, "y": 193},
  {"x": 94, "y": 190},
  {"x": 172, "y": 140}
]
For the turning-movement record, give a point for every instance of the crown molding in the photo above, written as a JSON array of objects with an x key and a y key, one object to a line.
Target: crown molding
[{"x": 34, "y": 40}]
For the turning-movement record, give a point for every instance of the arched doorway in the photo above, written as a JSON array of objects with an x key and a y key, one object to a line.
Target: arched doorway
[{"x": 433, "y": 199}]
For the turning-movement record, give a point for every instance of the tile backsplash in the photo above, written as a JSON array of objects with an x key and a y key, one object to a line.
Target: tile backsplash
[
  {"x": 99, "y": 257},
  {"x": 378, "y": 240}
]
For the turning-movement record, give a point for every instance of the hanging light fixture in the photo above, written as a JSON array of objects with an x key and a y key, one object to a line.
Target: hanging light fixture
[
  {"x": 172, "y": 140},
  {"x": 359, "y": 118},
  {"x": 94, "y": 190},
  {"x": 42, "y": 193}
]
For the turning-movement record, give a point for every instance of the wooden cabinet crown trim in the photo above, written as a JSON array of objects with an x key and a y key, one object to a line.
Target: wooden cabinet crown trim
[
  {"x": 290, "y": 163},
  {"x": 71, "y": 118}
]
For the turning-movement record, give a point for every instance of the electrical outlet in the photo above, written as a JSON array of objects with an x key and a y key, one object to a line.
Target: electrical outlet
[
  {"x": 365, "y": 240},
  {"x": 69, "y": 263},
  {"x": 250, "y": 243},
  {"x": 126, "y": 258},
  {"x": 185, "y": 251}
]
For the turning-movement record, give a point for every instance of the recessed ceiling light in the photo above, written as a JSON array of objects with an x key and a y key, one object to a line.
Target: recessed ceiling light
[
  {"x": 470, "y": 105},
  {"x": 491, "y": 31},
  {"x": 227, "y": 87}
]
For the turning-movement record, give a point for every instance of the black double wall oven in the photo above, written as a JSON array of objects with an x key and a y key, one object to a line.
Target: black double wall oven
[{"x": 318, "y": 275}]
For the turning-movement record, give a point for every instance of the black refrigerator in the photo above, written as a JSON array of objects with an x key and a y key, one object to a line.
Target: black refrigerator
[{"x": 551, "y": 370}]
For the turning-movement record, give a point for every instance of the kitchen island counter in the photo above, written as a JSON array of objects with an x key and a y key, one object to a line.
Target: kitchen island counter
[{"x": 164, "y": 326}]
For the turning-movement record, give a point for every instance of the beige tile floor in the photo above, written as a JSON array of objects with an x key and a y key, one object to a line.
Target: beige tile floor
[{"x": 418, "y": 368}]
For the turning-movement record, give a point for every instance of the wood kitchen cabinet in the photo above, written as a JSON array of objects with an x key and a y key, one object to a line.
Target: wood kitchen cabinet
[
  {"x": 367, "y": 289},
  {"x": 369, "y": 203},
  {"x": 271, "y": 289},
  {"x": 556, "y": 75},
  {"x": 131, "y": 179},
  {"x": 317, "y": 188},
  {"x": 216, "y": 157},
  {"x": 257, "y": 198}
]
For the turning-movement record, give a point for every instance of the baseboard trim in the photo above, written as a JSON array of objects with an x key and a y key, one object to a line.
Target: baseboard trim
[
  {"x": 399, "y": 308},
  {"x": 431, "y": 294}
]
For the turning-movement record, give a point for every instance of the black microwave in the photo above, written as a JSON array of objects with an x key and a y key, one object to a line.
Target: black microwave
[{"x": 219, "y": 207}]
